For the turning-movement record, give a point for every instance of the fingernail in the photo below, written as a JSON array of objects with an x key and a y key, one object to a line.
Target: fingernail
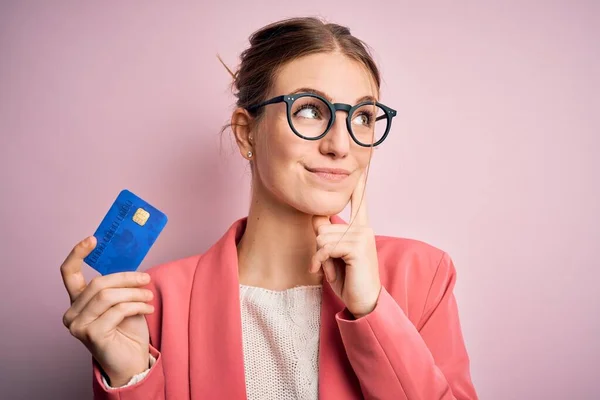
[
  {"x": 87, "y": 241},
  {"x": 145, "y": 278}
]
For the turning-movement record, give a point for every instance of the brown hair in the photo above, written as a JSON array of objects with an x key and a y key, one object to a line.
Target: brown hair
[{"x": 284, "y": 41}]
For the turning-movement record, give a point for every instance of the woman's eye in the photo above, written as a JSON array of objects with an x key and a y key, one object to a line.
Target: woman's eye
[
  {"x": 361, "y": 119},
  {"x": 308, "y": 111}
]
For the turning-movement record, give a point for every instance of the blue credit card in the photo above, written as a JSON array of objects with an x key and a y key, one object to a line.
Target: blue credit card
[{"x": 126, "y": 234}]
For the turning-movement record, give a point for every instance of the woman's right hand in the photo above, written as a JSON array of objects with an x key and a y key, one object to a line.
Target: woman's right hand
[{"x": 107, "y": 315}]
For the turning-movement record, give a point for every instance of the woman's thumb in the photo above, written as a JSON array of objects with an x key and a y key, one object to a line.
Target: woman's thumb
[{"x": 319, "y": 220}]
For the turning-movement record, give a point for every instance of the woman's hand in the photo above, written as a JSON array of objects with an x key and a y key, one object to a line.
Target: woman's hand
[
  {"x": 348, "y": 256},
  {"x": 107, "y": 315}
]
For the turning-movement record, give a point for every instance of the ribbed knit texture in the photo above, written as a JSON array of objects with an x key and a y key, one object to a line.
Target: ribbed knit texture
[{"x": 280, "y": 331}]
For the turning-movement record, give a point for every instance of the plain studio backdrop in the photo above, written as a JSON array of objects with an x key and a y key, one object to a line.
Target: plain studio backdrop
[{"x": 493, "y": 157}]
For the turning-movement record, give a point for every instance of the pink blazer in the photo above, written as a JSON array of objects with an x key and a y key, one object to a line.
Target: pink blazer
[{"x": 409, "y": 347}]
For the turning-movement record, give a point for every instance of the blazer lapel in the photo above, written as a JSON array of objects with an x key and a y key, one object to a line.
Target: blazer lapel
[{"x": 215, "y": 327}]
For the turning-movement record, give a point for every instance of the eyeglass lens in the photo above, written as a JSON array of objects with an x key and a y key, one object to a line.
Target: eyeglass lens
[{"x": 310, "y": 117}]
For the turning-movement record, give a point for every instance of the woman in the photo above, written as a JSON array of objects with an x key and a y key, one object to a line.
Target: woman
[{"x": 292, "y": 302}]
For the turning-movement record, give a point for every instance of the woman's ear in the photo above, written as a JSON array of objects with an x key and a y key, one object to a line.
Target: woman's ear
[{"x": 242, "y": 124}]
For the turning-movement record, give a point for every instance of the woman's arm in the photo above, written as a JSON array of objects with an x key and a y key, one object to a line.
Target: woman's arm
[
  {"x": 136, "y": 378},
  {"x": 151, "y": 387},
  {"x": 394, "y": 359}
]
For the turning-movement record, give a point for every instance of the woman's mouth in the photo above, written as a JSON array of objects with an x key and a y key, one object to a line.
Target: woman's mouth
[{"x": 329, "y": 174}]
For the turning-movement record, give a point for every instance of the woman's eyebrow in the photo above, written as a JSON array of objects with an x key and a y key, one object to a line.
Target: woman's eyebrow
[
  {"x": 366, "y": 98},
  {"x": 323, "y": 94},
  {"x": 311, "y": 90}
]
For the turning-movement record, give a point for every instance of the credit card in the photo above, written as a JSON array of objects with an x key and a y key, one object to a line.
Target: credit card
[{"x": 125, "y": 235}]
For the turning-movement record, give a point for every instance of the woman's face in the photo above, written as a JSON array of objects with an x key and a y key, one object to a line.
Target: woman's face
[{"x": 314, "y": 177}]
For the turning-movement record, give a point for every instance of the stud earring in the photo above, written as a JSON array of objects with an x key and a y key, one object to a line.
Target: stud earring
[{"x": 249, "y": 154}]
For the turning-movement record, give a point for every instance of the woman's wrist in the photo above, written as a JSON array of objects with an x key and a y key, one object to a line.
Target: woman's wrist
[{"x": 122, "y": 380}]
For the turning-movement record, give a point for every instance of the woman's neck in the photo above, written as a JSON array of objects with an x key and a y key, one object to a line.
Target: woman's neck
[{"x": 276, "y": 248}]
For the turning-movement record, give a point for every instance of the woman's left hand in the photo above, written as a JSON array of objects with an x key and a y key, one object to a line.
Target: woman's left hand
[{"x": 348, "y": 256}]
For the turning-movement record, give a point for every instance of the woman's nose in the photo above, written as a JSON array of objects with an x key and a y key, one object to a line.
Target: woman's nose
[{"x": 337, "y": 141}]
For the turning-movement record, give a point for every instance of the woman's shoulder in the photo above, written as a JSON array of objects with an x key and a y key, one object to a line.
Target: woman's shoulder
[
  {"x": 413, "y": 271},
  {"x": 176, "y": 274},
  {"x": 408, "y": 252}
]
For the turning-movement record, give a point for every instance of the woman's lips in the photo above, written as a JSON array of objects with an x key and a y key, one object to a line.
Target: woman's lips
[{"x": 330, "y": 174}]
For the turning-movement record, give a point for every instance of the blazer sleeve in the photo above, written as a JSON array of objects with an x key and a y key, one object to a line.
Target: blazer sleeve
[
  {"x": 394, "y": 359},
  {"x": 152, "y": 387}
]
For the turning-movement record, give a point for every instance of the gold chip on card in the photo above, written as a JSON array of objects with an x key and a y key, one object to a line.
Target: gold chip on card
[{"x": 141, "y": 216}]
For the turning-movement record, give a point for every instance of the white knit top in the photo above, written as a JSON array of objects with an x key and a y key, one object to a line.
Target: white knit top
[
  {"x": 280, "y": 335},
  {"x": 280, "y": 331}
]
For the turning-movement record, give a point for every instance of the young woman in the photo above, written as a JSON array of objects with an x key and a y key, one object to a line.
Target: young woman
[{"x": 292, "y": 302}]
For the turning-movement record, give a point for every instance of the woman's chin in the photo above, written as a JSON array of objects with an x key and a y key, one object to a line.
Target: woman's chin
[{"x": 330, "y": 204}]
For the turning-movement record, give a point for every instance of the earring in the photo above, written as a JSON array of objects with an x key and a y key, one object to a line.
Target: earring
[{"x": 249, "y": 154}]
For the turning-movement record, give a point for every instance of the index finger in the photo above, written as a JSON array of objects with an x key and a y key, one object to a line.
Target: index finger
[
  {"x": 71, "y": 268},
  {"x": 358, "y": 203}
]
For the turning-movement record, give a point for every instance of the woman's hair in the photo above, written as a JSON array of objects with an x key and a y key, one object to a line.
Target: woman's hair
[{"x": 281, "y": 42}]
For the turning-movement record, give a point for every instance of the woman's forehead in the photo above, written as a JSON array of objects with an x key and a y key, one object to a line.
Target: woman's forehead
[{"x": 343, "y": 79}]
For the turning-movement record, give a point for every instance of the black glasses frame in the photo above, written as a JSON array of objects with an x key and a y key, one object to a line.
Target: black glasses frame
[{"x": 333, "y": 108}]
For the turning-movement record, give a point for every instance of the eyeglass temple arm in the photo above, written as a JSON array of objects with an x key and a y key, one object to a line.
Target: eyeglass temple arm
[
  {"x": 274, "y": 100},
  {"x": 391, "y": 114}
]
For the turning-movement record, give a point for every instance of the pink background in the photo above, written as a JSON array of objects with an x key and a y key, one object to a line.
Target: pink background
[{"x": 494, "y": 158}]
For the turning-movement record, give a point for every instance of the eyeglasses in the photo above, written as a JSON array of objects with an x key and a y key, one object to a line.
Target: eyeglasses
[{"x": 311, "y": 116}]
